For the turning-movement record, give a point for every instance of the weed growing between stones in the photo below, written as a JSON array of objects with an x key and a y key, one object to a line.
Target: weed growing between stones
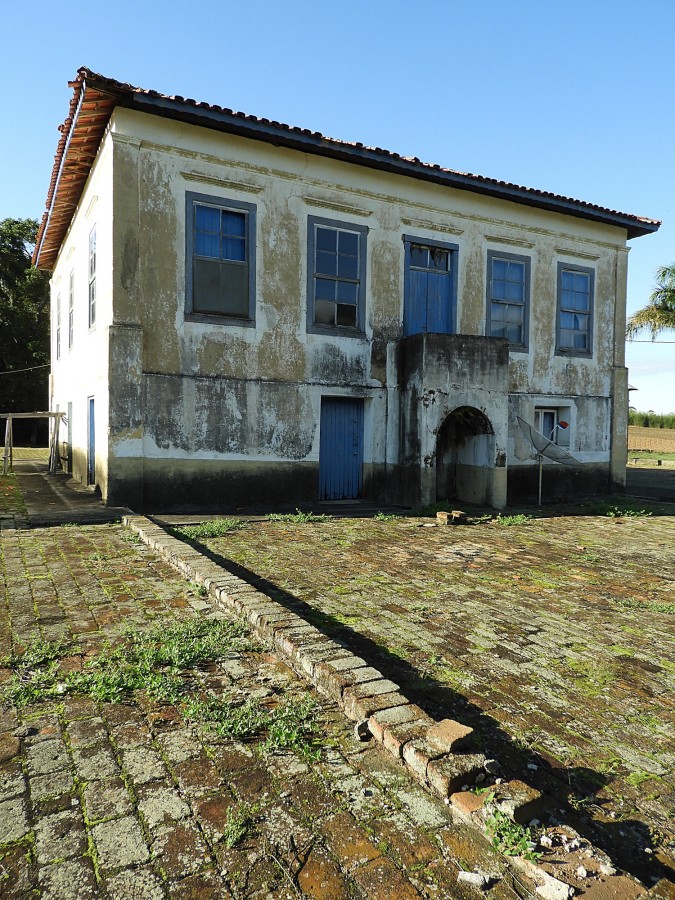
[
  {"x": 155, "y": 661},
  {"x": 385, "y": 517},
  {"x": 625, "y": 508},
  {"x": 211, "y": 529},
  {"x": 297, "y": 518},
  {"x": 518, "y": 519},
  {"x": 158, "y": 662},
  {"x": 238, "y": 823},
  {"x": 288, "y": 727},
  {"x": 509, "y": 837}
]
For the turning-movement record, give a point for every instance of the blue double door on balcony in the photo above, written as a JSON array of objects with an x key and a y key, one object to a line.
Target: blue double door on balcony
[{"x": 430, "y": 289}]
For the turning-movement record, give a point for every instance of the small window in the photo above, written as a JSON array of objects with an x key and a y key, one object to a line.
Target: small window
[
  {"x": 92, "y": 278},
  {"x": 508, "y": 296},
  {"x": 546, "y": 423},
  {"x": 220, "y": 259},
  {"x": 575, "y": 310},
  {"x": 58, "y": 326},
  {"x": 71, "y": 307},
  {"x": 336, "y": 276}
]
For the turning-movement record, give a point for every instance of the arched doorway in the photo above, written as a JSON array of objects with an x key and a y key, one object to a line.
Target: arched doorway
[{"x": 465, "y": 454}]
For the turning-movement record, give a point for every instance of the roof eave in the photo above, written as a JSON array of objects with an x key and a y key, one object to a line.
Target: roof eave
[{"x": 313, "y": 142}]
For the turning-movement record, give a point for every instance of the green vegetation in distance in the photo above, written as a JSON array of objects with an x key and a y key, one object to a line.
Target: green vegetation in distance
[{"x": 650, "y": 419}]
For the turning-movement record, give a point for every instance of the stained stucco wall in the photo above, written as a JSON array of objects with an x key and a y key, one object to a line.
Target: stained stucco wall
[
  {"x": 81, "y": 370},
  {"x": 190, "y": 400}
]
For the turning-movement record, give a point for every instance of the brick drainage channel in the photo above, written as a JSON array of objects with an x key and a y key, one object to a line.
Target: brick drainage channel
[{"x": 434, "y": 753}]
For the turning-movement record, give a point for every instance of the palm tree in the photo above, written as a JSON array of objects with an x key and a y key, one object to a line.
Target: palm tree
[{"x": 659, "y": 314}]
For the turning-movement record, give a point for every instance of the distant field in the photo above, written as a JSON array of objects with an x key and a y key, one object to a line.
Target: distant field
[{"x": 653, "y": 440}]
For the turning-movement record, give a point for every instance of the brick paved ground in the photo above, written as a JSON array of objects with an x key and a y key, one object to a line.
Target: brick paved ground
[
  {"x": 554, "y": 638},
  {"x": 124, "y": 800}
]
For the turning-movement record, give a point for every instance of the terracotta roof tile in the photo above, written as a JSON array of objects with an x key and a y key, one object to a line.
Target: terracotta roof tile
[{"x": 95, "y": 97}]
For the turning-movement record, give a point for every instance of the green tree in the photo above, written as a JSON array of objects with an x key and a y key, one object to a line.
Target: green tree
[
  {"x": 24, "y": 320},
  {"x": 659, "y": 314}
]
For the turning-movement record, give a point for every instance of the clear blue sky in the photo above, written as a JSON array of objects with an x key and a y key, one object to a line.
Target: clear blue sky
[{"x": 574, "y": 97}]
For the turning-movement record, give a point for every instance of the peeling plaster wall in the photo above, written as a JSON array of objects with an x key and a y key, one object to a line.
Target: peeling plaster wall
[
  {"x": 81, "y": 371},
  {"x": 185, "y": 391}
]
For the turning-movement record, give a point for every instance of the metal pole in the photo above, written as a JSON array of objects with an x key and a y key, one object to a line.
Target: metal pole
[{"x": 541, "y": 466}]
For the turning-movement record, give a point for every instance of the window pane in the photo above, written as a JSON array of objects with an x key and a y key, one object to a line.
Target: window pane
[
  {"x": 581, "y": 341},
  {"x": 346, "y": 315},
  {"x": 567, "y": 338},
  {"x": 419, "y": 256},
  {"x": 581, "y": 323},
  {"x": 346, "y": 292},
  {"x": 438, "y": 258},
  {"x": 207, "y": 218},
  {"x": 324, "y": 313},
  {"x": 514, "y": 315},
  {"x": 233, "y": 223},
  {"x": 326, "y": 239},
  {"x": 324, "y": 289},
  {"x": 207, "y": 244},
  {"x": 567, "y": 320},
  {"x": 498, "y": 329},
  {"x": 498, "y": 290},
  {"x": 234, "y": 248},
  {"x": 326, "y": 263},
  {"x": 348, "y": 243},
  {"x": 497, "y": 312},
  {"x": 567, "y": 280},
  {"x": 499, "y": 268},
  {"x": 514, "y": 291},
  {"x": 581, "y": 282},
  {"x": 514, "y": 336},
  {"x": 220, "y": 288},
  {"x": 348, "y": 267}
]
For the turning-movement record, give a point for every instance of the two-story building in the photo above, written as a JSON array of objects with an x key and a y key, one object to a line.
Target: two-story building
[{"x": 250, "y": 313}]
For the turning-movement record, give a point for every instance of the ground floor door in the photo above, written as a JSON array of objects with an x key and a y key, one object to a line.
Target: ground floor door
[
  {"x": 341, "y": 449},
  {"x": 91, "y": 444}
]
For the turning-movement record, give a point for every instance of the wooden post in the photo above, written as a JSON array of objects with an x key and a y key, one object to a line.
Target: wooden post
[{"x": 6, "y": 456}]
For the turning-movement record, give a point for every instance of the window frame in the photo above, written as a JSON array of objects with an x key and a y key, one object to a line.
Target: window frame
[
  {"x": 71, "y": 308},
  {"x": 357, "y": 330},
  {"x": 58, "y": 326},
  {"x": 492, "y": 255},
  {"x": 192, "y": 200},
  {"x": 453, "y": 274},
  {"x": 585, "y": 270},
  {"x": 92, "y": 279}
]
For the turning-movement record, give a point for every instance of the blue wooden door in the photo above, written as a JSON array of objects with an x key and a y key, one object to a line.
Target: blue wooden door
[
  {"x": 429, "y": 295},
  {"x": 91, "y": 444},
  {"x": 341, "y": 449}
]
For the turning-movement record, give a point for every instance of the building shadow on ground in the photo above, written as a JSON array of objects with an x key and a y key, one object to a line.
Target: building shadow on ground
[{"x": 574, "y": 791}]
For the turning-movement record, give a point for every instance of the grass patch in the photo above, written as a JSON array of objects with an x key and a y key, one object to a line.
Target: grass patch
[
  {"x": 155, "y": 661},
  {"x": 516, "y": 519},
  {"x": 385, "y": 517},
  {"x": 211, "y": 529},
  {"x": 289, "y": 726},
  {"x": 297, "y": 518},
  {"x": 624, "y": 508},
  {"x": 11, "y": 498},
  {"x": 649, "y": 605}
]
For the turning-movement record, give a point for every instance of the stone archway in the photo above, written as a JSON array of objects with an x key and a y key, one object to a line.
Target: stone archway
[{"x": 465, "y": 457}]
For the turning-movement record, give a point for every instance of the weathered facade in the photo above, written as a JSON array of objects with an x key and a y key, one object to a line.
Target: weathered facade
[{"x": 246, "y": 313}]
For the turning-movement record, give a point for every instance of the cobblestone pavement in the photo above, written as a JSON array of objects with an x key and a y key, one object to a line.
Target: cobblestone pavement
[
  {"x": 126, "y": 800},
  {"x": 553, "y": 637}
]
